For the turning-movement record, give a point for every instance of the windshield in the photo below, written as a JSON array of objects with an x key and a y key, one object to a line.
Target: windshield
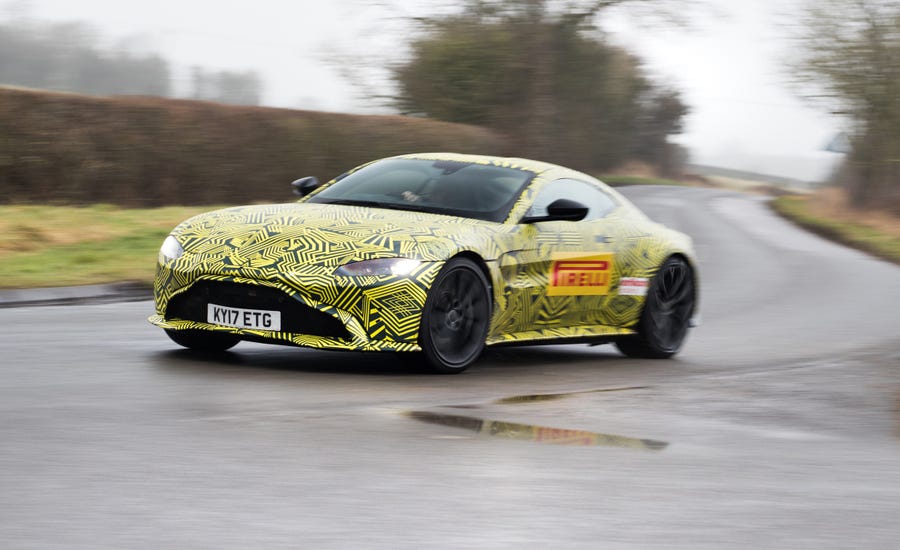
[{"x": 466, "y": 189}]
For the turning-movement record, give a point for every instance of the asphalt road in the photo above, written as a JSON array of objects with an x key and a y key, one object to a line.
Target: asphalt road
[{"x": 777, "y": 427}]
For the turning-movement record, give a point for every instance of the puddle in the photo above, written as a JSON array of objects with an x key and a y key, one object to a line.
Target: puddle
[
  {"x": 538, "y": 434},
  {"x": 532, "y": 398},
  {"x": 539, "y": 397}
]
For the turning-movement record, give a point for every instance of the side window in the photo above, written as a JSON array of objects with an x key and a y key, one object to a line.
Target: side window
[{"x": 599, "y": 203}]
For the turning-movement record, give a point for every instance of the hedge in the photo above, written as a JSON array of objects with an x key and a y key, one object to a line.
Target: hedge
[{"x": 145, "y": 151}]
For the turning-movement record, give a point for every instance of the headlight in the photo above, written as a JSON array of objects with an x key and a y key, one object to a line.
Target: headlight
[
  {"x": 170, "y": 250},
  {"x": 380, "y": 266}
]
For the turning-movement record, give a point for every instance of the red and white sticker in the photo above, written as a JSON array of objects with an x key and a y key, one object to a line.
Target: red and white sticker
[{"x": 633, "y": 286}]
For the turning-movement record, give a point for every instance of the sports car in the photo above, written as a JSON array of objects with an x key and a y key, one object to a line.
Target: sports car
[{"x": 437, "y": 254}]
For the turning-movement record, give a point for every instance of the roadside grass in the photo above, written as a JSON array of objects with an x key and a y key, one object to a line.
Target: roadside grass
[
  {"x": 874, "y": 240},
  {"x": 43, "y": 246}
]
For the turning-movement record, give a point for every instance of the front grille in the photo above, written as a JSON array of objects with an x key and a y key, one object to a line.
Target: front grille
[{"x": 296, "y": 317}]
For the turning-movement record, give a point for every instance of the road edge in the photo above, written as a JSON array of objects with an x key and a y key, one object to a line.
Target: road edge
[
  {"x": 127, "y": 291},
  {"x": 835, "y": 230}
]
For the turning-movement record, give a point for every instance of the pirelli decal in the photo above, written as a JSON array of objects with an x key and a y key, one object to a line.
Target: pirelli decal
[{"x": 580, "y": 275}]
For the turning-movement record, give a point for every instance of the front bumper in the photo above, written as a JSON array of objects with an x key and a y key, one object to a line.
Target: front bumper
[
  {"x": 304, "y": 340},
  {"x": 374, "y": 313}
]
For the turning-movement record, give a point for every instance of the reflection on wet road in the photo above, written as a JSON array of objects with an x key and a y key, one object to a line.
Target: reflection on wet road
[
  {"x": 540, "y": 397},
  {"x": 538, "y": 434}
]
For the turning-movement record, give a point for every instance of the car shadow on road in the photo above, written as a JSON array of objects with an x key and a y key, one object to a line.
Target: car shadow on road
[{"x": 494, "y": 360}]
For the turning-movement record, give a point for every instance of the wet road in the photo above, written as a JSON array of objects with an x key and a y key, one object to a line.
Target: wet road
[{"x": 776, "y": 427}]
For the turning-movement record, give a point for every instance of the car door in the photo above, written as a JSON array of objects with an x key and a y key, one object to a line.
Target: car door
[{"x": 563, "y": 276}]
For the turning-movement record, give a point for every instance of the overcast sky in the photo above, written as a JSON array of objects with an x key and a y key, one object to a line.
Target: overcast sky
[{"x": 314, "y": 54}]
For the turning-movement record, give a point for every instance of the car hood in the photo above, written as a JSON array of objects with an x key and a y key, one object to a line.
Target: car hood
[{"x": 330, "y": 235}]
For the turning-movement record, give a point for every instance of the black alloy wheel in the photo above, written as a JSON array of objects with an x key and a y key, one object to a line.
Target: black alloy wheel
[
  {"x": 456, "y": 317},
  {"x": 203, "y": 340},
  {"x": 667, "y": 313}
]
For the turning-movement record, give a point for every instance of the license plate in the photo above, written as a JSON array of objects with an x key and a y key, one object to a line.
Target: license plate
[{"x": 243, "y": 318}]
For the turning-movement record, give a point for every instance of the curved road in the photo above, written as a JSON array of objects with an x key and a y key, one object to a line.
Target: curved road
[{"x": 776, "y": 427}]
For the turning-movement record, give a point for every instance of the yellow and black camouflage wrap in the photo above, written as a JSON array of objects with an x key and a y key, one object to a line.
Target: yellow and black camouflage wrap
[{"x": 296, "y": 248}]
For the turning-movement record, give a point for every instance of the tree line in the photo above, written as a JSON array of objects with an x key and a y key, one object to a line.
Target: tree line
[
  {"x": 67, "y": 57},
  {"x": 545, "y": 78},
  {"x": 541, "y": 74}
]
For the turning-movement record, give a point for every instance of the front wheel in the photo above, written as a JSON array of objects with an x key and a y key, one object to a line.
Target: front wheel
[
  {"x": 203, "y": 340},
  {"x": 455, "y": 318},
  {"x": 667, "y": 313}
]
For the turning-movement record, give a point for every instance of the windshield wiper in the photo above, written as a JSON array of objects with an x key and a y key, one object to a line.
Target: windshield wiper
[
  {"x": 408, "y": 207},
  {"x": 378, "y": 204}
]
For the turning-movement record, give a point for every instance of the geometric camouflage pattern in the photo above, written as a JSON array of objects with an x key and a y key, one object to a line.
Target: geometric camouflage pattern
[{"x": 296, "y": 248}]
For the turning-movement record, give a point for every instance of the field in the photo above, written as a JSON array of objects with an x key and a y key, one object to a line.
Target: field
[{"x": 44, "y": 246}]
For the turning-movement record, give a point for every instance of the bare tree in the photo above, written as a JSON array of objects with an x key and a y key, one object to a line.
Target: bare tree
[{"x": 850, "y": 58}]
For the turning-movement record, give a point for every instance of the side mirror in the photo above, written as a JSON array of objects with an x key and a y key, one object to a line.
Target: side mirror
[
  {"x": 560, "y": 210},
  {"x": 305, "y": 186}
]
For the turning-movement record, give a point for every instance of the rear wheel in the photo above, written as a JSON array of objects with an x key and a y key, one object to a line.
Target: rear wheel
[
  {"x": 202, "y": 340},
  {"x": 667, "y": 313},
  {"x": 455, "y": 317}
]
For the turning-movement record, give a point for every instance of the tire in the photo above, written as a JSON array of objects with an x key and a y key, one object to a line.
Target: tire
[
  {"x": 203, "y": 340},
  {"x": 456, "y": 317},
  {"x": 667, "y": 312}
]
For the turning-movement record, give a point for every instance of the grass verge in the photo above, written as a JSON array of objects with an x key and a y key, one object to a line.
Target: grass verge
[
  {"x": 46, "y": 246},
  {"x": 856, "y": 235}
]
